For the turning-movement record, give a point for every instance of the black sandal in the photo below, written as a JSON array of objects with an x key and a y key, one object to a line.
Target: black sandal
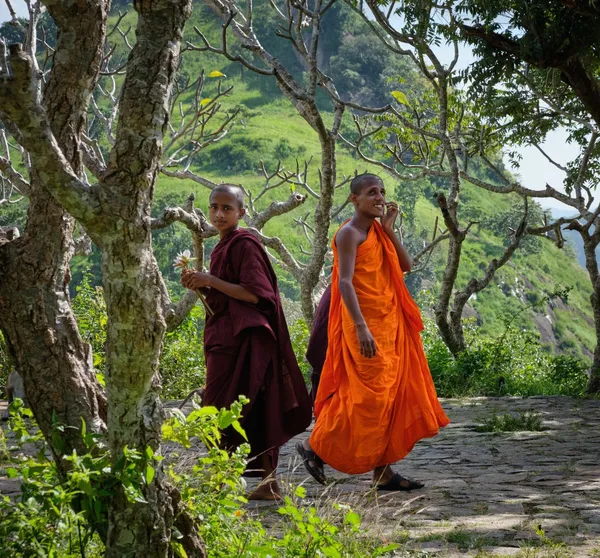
[
  {"x": 398, "y": 483},
  {"x": 316, "y": 470}
]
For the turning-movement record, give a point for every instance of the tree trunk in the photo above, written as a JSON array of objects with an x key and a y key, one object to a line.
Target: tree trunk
[
  {"x": 449, "y": 324},
  {"x": 116, "y": 215},
  {"x": 135, "y": 294},
  {"x": 35, "y": 312},
  {"x": 322, "y": 222},
  {"x": 591, "y": 263},
  {"x": 40, "y": 329}
]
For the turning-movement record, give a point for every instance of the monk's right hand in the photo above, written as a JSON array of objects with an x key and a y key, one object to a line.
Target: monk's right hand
[
  {"x": 185, "y": 277},
  {"x": 366, "y": 341}
]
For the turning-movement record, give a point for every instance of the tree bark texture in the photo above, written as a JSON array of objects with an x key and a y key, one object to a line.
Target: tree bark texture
[
  {"x": 116, "y": 215},
  {"x": 35, "y": 312},
  {"x": 591, "y": 264}
]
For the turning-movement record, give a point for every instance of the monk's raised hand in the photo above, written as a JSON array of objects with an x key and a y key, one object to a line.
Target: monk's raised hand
[
  {"x": 388, "y": 220},
  {"x": 366, "y": 341}
]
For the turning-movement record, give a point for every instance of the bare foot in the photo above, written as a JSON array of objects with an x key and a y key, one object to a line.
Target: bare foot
[{"x": 268, "y": 489}]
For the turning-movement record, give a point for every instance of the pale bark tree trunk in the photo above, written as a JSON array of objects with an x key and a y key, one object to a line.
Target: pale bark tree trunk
[
  {"x": 303, "y": 98},
  {"x": 322, "y": 221},
  {"x": 116, "y": 214},
  {"x": 436, "y": 145}
]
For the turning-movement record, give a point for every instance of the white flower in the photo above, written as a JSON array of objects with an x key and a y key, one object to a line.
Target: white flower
[{"x": 183, "y": 259}]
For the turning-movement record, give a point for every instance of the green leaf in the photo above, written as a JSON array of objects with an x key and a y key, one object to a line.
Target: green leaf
[
  {"x": 300, "y": 492},
  {"x": 225, "y": 419},
  {"x": 401, "y": 98},
  {"x": 12, "y": 473},
  {"x": 352, "y": 518},
  {"x": 150, "y": 472},
  {"x": 178, "y": 549},
  {"x": 238, "y": 428},
  {"x": 216, "y": 74},
  {"x": 202, "y": 412}
]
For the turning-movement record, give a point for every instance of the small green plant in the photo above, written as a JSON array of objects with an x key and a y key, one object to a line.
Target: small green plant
[{"x": 525, "y": 421}]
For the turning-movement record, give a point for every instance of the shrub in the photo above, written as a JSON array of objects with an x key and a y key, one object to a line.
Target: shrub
[
  {"x": 182, "y": 365},
  {"x": 43, "y": 521},
  {"x": 515, "y": 363}
]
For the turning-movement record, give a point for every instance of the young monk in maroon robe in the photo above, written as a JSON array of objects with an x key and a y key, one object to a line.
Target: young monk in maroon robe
[{"x": 247, "y": 344}]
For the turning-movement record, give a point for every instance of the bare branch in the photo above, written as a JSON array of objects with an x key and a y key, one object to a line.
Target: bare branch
[
  {"x": 17, "y": 180},
  {"x": 428, "y": 249},
  {"x": 550, "y": 159},
  {"x": 92, "y": 156},
  {"x": 18, "y": 104},
  {"x": 275, "y": 209},
  {"x": 288, "y": 261},
  {"x": 189, "y": 175},
  {"x": 223, "y": 48},
  {"x": 584, "y": 165},
  {"x": 476, "y": 285}
]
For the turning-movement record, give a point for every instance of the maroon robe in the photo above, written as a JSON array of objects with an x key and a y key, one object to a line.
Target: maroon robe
[
  {"x": 318, "y": 341},
  {"x": 248, "y": 351}
]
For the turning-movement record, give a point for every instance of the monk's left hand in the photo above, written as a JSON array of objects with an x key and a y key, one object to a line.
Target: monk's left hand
[
  {"x": 388, "y": 220},
  {"x": 196, "y": 280}
]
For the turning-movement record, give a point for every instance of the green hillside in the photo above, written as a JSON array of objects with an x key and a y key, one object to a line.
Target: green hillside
[{"x": 269, "y": 129}]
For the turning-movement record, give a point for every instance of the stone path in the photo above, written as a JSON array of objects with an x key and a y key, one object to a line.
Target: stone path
[{"x": 487, "y": 494}]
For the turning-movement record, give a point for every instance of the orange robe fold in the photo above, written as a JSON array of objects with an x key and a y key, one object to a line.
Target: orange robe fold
[{"x": 371, "y": 412}]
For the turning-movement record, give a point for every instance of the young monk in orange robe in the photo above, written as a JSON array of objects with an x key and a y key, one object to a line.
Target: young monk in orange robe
[{"x": 376, "y": 397}]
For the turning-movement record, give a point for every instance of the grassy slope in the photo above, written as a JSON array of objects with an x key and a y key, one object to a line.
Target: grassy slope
[{"x": 268, "y": 119}]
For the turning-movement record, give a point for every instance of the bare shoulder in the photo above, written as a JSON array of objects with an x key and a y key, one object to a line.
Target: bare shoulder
[{"x": 349, "y": 237}]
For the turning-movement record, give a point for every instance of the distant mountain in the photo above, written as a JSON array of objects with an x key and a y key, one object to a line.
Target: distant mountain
[{"x": 573, "y": 237}]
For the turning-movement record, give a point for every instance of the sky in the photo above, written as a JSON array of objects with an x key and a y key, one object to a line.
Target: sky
[
  {"x": 535, "y": 171},
  {"x": 18, "y": 5}
]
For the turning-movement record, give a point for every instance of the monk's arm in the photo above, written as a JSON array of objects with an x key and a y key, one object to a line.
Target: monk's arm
[
  {"x": 232, "y": 289},
  {"x": 347, "y": 241},
  {"x": 197, "y": 280},
  {"x": 403, "y": 257}
]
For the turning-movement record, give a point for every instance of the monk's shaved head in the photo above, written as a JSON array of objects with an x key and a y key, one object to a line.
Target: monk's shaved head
[
  {"x": 235, "y": 191},
  {"x": 360, "y": 182}
]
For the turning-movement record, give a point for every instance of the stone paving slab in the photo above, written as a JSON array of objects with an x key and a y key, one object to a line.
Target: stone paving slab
[{"x": 486, "y": 494}]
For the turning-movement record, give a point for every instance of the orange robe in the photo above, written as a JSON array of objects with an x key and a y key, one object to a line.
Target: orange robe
[{"x": 371, "y": 412}]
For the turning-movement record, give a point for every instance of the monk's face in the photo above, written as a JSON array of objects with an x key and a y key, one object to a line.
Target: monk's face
[
  {"x": 225, "y": 211},
  {"x": 370, "y": 201}
]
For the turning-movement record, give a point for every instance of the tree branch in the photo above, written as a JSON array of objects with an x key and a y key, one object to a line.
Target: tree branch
[
  {"x": 276, "y": 208},
  {"x": 288, "y": 261},
  {"x": 19, "y": 106}
]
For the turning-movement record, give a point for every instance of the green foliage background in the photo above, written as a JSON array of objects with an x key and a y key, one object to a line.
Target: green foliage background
[{"x": 269, "y": 129}]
